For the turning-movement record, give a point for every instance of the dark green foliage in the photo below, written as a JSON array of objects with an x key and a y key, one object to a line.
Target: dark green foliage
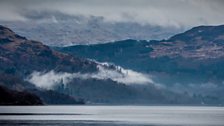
[
  {"x": 110, "y": 92},
  {"x": 12, "y": 97},
  {"x": 52, "y": 97}
]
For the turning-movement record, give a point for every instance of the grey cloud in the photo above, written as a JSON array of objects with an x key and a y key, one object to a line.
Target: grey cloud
[{"x": 156, "y": 12}]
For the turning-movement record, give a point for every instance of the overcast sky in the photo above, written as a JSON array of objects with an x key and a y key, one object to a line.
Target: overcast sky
[{"x": 156, "y": 12}]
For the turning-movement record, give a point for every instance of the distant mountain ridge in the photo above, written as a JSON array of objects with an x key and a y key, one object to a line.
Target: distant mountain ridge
[
  {"x": 59, "y": 78},
  {"x": 190, "y": 62},
  {"x": 198, "y": 44},
  {"x": 58, "y": 29}
]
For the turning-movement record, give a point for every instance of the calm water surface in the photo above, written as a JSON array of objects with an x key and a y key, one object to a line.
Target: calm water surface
[{"x": 111, "y": 116}]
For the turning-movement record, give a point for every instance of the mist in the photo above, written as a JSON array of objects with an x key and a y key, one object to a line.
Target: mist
[{"x": 48, "y": 80}]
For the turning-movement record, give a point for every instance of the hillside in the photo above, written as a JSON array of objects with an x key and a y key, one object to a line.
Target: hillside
[
  {"x": 20, "y": 57},
  {"x": 189, "y": 62},
  {"x": 26, "y": 56},
  {"x": 59, "y": 78},
  {"x": 200, "y": 46}
]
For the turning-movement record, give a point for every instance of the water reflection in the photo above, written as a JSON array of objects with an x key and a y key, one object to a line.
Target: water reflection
[{"x": 111, "y": 115}]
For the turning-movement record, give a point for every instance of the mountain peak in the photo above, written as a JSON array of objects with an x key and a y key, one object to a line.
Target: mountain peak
[
  {"x": 7, "y": 35},
  {"x": 5, "y": 31},
  {"x": 206, "y": 33}
]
